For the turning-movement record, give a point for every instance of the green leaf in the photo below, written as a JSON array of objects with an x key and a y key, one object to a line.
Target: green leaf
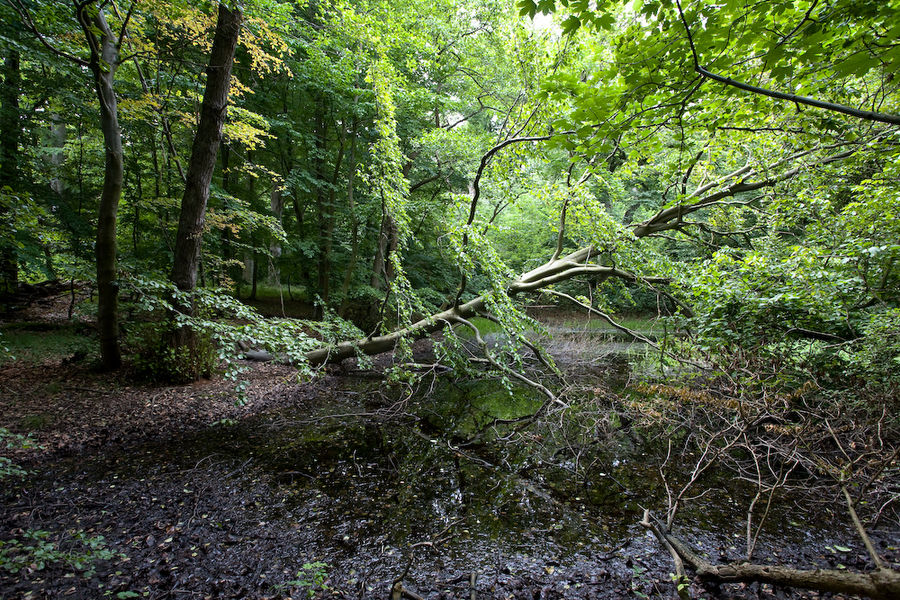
[{"x": 571, "y": 24}]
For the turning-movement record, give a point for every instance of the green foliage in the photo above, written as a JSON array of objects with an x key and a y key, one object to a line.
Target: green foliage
[
  {"x": 354, "y": 128},
  {"x": 789, "y": 309},
  {"x": 12, "y": 441},
  {"x": 158, "y": 355},
  {"x": 876, "y": 356},
  {"x": 310, "y": 580},
  {"x": 35, "y": 550},
  {"x": 221, "y": 325},
  {"x": 756, "y": 297}
]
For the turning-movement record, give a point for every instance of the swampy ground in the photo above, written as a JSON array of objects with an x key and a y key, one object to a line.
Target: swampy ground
[{"x": 339, "y": 486}]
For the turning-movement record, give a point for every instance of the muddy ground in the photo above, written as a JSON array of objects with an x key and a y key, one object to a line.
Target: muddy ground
[
  {"x": 199, "y": 497},
  {"x": 336, "y": 487}
]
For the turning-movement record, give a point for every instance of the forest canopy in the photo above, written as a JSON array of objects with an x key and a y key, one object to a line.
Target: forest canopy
[{"x": 738, "y": 160}]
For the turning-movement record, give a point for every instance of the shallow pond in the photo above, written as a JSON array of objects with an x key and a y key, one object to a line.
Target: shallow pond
[{"x": 454, "y": 489}]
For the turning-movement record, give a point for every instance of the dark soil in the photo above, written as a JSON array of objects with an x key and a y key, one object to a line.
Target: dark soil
[
  {"x": 193, "y": 512},
  {"x": 317, "y": 489}
]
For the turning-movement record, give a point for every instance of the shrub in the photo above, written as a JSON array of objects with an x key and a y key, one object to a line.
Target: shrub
[{"x": 160, "y": 355}]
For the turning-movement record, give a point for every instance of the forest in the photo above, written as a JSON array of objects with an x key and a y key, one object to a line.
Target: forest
[{"x": 491, "y": 299}]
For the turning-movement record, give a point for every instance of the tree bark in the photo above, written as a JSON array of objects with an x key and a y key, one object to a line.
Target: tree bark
[
  {"x": 276, "y": 204},
  {"x": 10, "y": 131},
  {"x": 388, "y": 237},
  {"x": 325, "y": 206},
  {"x": 204, "y": 153},
  {"x": 103, "y": 64},
  {"x": 354, "y": 218},
  {"x": 254, "y": 275},
  {"x": 205, "y": 149}
]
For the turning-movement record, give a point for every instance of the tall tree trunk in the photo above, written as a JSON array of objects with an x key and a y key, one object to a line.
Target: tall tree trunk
[
  {"x": 200, "y": 171},
  {"x": 377, "y": 279},
  {"x": 231, "y": 274},
  {"x": 254, "y": 275},
  {"x": 103, "y": 65},
  {"x": 57, "y": 158},
  {"x": 354, "y": 218},
  {"x": 256, "y": 237},
  {"x": 323, "y": 273},
  {"x": 276, "y": 204},
  {"x": 382, "y": 270},
  {"x": 136, "y": 206},
  {"x": 328, "y": 231},
  {"x": 10, "y": 131},
  {"x": 205, "y": 149},
  {"x": 300, "y": 214}
]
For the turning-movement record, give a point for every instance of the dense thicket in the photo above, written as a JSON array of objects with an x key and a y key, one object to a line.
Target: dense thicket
[{"x": 733, "y": 166}]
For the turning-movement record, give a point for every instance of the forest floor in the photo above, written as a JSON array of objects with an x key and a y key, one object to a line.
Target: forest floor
[{"x": 302, "y": 491}]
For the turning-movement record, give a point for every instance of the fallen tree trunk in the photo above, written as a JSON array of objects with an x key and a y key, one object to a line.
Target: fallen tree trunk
[
  {"x": 552, "y": 272},
  {"x": 880, "y": 584}
]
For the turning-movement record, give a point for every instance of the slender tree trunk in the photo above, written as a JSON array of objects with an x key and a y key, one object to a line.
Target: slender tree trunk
[
  {"x": 276, "y": 204},
  {"x": 103, "y": 65},
  {"x": 256, "y": 236},
  {"x": 227, "y": 234},
  {"x": 136, "y": 206},
  {"x": 57, "y": 158},
  {"x": 254, "y": 276},
  {"x": 10, "y": 131},
  {"x": 328, "y": 230},
  {"x": 377, "y": 280},
  {"x": 382, "y": 270},
  {"x": 323, "y": 273},
  {"x": 205, "y": 149},
  {"x": 354, "y": 218},
  {"x": 300, "y": 214}
]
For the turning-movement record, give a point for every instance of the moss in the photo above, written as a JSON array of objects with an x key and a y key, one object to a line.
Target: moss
[
  {"x": 39, "y": 342},
  {"x": 485, "y": 326},
  {"x": 502, "y": 404},
  {"x": 36, "y": 422},
  {"x": 465, "y": 409}
]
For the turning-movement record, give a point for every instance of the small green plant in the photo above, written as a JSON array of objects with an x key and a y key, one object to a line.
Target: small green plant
[
  {"x": 311, "y": 578},
  {"x": 34, "y": 550},
  {"x": 682, "y": 584},
  {"x": 36, "y": 422},
  {"x": 12, "y": 441},
  {"x": 639, "y": 580}
]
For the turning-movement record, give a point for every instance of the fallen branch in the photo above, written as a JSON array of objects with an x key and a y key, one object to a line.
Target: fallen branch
[
  {"x": 552, "y": 272},
  {"x": 880, "y": 584}
]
